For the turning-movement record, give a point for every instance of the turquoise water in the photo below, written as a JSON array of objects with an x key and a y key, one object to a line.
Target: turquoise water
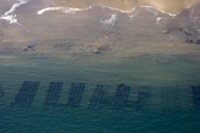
[
  {"x": 81, "y": 120},
  {"x": 166, "y": 78}
]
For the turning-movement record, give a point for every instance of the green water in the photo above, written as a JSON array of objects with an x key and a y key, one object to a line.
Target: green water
[
  {"x": 77, "y": 120},
  {"x": 167, "y": 78}
]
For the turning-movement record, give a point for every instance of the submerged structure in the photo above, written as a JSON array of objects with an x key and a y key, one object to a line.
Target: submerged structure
[{"x": 99, "y": 99}]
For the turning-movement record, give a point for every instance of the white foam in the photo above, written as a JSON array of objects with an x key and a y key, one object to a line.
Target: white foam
[
  {"x": 13, "y": 8},
  {"x": 116, "y": 9},
  {"x": 9, "y": 15},
  {"x": 131, "y": 16},
  {"x": 158, "y": 20},
  {"x": 62, "y": 9},
  {"x": 74, "y": 10},
  {"x": 11, "y": 18},
  {"x": 151, "y": 9},
  {"x": 110, "y": 21},
  {"x": 40, "y": 12}
]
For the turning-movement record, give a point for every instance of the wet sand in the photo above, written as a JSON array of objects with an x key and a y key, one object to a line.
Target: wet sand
[
  {"x": 92, "y": 32},
  {"x": 99, "y": 31},
  {"x": 170, "y": 6}
]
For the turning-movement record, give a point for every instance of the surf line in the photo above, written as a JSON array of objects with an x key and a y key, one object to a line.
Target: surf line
[
  {"x": 9, "y": 15},
  {"x": 74, "y": 10},
  {"x": 63, "y": 9}
]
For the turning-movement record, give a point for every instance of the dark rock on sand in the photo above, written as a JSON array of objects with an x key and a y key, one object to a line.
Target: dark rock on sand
[
  {"x": 198, "y": 41},
  {"x": 189, "y": 41},
  {"x": 25, "y": 50},
  {"x": 101, "y": 50},
  {"x": 29, "y": 47}
]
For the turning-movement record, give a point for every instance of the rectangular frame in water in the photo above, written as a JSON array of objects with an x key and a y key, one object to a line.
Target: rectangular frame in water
[
  {"x": 75, "y": 94},
  {"x": 53, "y": 93},
  {"x": 1, "y": 91},
  {"x": 121, "y": 96},
  {"x": 196, "y": 97},
  {"x": 26, "y": 93},
  {"x": 141, "y": 99},
  {"x": 97, "y": 98}
]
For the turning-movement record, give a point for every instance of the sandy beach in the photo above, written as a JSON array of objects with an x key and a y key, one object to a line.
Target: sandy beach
[
  {"x": 170, "y": 6},
  {"x": 78, "y": 30}
]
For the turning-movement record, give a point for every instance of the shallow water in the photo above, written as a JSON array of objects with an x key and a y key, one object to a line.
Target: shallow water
[
  {"x": 166, "y": 78},
  {"x": 54, "y": 120}
]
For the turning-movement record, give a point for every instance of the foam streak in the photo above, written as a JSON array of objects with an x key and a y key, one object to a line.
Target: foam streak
[
  {"x": 62, "y": 9},
  {"x": 111, "y": 21},
  {"x": 9, "y": 15},
  {"x": 74, "y": 10}
]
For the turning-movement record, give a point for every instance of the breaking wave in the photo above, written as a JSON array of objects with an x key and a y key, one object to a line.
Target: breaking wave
[
  {"x": 62, "y": 9},
  {"x": 10, "y": 15},
  {"x": 74, "y": 10}
]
